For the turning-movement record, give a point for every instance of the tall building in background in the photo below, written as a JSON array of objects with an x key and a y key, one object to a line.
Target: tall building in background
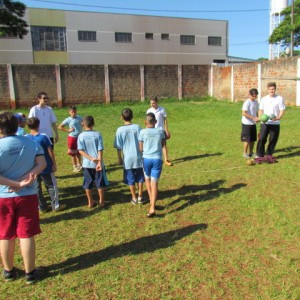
[{"x": 276, "y": 7}]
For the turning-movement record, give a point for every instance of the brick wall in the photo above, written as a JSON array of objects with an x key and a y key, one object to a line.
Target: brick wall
[
  {"x": 4, "y": 88},
  {"x": 194, "y": 81},
  {"x": 161, "y": 81},
  {"x": 82, "y": 84},
  {"x": 222, "y": 82}
]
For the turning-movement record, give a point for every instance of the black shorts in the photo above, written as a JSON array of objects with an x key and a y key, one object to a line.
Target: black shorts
[{"x": 249, "y": 133}]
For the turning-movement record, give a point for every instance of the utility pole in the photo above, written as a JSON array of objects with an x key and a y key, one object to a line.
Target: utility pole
[{"x": 292, "y": 31}]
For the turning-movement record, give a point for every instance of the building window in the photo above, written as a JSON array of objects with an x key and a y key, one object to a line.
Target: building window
[
  {"x": 148, "y": 36},
  {"x": 87, "y": 36},
  {"x": 214, "y": 41},
  {"x": 123, "y": 37},
  {"x": 165, "y": 36},
  {"x": 48, "y": 38},
  {"x": 187, "y": 40}
]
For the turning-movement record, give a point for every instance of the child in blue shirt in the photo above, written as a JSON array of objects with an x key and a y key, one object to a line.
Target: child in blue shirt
[
  {"x": 90, "y": 146},
  {"x": 151, "y": 142},
  {"x": 126, "y": 141},
  {"x": 74, "y": 122}
]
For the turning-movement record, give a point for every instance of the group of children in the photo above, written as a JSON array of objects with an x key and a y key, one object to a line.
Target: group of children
[{"x": 273, "y": 106}]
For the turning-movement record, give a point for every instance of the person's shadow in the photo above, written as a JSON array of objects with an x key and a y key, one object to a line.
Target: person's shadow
[
  {"x": 192, "y": 157},
  {"x": 288, "y": 152},
  {"x": 141, "y": 245}
]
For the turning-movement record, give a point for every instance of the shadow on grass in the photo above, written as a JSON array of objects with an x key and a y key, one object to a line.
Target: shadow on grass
[
  {"x": 192, "y": 157},
  {"x": 141, "y": 245},
  {"x": 288, "y": 152},
  {"x": 191, "y": 194}
]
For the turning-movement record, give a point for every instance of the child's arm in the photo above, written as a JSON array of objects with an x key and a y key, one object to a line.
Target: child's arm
[
  {"x": 120, "y": 158},
  {"x": 254, "y": 118},
  {"x": 84, "y": 154},
  {"x": 54, "y": 126},
  {"x": 62, "y": 128},
  {"x": 17, "y": 184},
  {"x": 141, "y": 146},
  {"x": 52, "y": 156},
  {"x": 99, "y": 163}
]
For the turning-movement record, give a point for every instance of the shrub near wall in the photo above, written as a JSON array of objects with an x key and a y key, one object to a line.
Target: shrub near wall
[
  {"x": 125, "y": 83},
  {"x": 194, "y": 81},
  {"x": 82, "y": 84},
  {"x": 161, "y": 81},
  {"x": 29, "y": 81},
  {"x": 4, "y": 88}
]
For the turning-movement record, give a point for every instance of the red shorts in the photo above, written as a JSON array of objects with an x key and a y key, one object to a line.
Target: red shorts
[
  {"x": 72, "y": 145},
  {"x": 19, "y": 217}
]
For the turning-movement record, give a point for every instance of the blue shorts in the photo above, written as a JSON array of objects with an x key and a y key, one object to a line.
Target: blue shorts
[
  {"x": 91, "y": 175},
  {"x": 132, "y": 176},
  {"x": 152, "y": 168}
]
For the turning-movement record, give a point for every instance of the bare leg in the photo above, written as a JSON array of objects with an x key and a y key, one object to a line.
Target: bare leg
[
  {"x": 246, "y": 145},
  {"x": 101, "y": 197},
  {"x": 166, "y": 156},
  {"x": 148, "y": 186},
  {"x": 89, "y": 197},
  {"x": 140, "y": 186},
  {"x": 78, "y": 159},
  {"x": 154, "y": 192},
  {"x": 7, "y": 249},
  {"x": 132, "y": 191},
  {"x": 28, "y": 252}
]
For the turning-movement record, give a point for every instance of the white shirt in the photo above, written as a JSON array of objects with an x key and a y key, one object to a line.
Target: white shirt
[
  {"x": 272, "y": 105},
  {"x": 160, "y": 115},
  {"x": 250, "y": 107}
]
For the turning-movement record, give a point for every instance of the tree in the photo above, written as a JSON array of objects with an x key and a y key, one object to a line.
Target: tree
[
  {"x": 11, "y": 22},
  {"x": 282, "y": 33}
]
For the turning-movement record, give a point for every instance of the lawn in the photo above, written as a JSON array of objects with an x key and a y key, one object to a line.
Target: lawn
[{"x": 224, "y": 230}]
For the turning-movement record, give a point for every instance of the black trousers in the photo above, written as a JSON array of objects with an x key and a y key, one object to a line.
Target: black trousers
[{"x": 273, "y": 132}]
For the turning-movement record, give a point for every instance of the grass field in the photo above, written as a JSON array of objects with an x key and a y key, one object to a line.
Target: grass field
[{"x": 224, "y": 230}]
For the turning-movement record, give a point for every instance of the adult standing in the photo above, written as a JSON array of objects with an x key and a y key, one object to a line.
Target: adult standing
[
  {"x": 19, "y": 216},
  {"x": 273, "y": 106},
  {"x": 161, "y": 123},
  {"x": 46, "y": 116}
]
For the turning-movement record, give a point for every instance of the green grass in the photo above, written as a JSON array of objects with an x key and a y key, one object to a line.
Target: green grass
[{"x": 224, "y": 231}]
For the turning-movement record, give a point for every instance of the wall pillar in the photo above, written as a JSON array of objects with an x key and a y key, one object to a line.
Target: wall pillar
[
  {"x": 298, "y": 84},
  {"x": 107, "y": 88},
  {"x": 232, "y": 84},
  {"x": 180, "y": 82},
  {"x": 259, "y": 81},
  {"x": 211, "y": 81},
  {"x": 142, "y": 75},
  {"x": 12, "y": 94},
  {"x": 58, "y": 86}
]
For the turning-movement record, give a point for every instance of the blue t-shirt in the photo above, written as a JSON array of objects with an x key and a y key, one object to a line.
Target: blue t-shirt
[
  {"x": 21, "y": 131},
  {"x": 75, "y": 123},
  {"x": 90, "y": 142},
  {"x": 127, "y": 140},
  {"x": 152, "y": 138},
  {"x": 17, "y": 156},
  {"x": 45, "y": 143}
]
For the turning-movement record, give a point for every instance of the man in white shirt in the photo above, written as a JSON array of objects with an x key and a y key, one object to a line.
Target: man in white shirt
[
  {"x": 273, "y": 106},
  {"x": 46, "y": 116}
]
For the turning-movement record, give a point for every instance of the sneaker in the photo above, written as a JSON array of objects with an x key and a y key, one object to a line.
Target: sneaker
[
  {"x": 245, "y": 155},
  {"x": 34, "y": 276},
  {"x": 76, "y": 169},
  {"x": 9, "y": 275},
  {"x": 141, "y": 200},
  {"x": 61, "y": 207},
  {"x": 79, "y": 167},
  {"x": 168, "y": 163},
  {"x": 134, "y": 201},
  {"x": 43, "y": 211}
]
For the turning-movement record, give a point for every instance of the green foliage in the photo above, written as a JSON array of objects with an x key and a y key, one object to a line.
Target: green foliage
[
  {"x": 283, "y": 31},
  {"x": 11, "y": 22}
]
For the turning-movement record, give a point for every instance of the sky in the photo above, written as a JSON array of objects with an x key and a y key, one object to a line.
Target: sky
[{"x": 249, "y": 20}]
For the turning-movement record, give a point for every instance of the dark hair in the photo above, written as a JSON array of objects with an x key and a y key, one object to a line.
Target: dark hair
[
  {"x": 270, "y": 84},
  {"x": 154, "y": 99},
  {"x": 89, "y": 121},
  {"x": 72, "y": 107},
  {"x": 150, "y": 118},
  {"x": 127, "y": 114},
  {"x": 8, "y": 123},
  {"x": 33, "y": 123},
  {"x": 41, "y": 94},
  {"x": 253, "y": 92}
]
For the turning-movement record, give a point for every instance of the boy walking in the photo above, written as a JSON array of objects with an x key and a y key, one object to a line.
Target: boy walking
[
  {"x": 162, "y": 123},
  {"x": 126, "y": 141},
  {"x": 47, "y": 176},
  {"x": 151, "y": 142},
  {"x": 74, "y": 122},
  {"x": 249, "y": 120},
  {"x": 90, "y": 146},
  {"x": 19, "y": 215},
  {"x": 272, "y": 104}
]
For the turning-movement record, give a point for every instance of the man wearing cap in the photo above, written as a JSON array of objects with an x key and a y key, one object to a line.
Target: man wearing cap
[{"x": 21, "y": 123}]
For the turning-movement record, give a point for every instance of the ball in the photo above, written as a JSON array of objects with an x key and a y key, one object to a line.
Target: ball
[
  {"x": 272, "y": 116},
  {"x": 250, "y": 162},
  {"x": 264, "y": 118}
]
